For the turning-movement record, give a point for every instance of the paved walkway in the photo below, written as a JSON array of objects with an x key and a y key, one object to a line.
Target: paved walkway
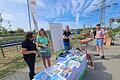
[{"x": 107, "y": 69}]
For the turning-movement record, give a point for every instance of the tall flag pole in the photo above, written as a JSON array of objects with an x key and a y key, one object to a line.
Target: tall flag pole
[
  {"x": 33, "y": 13},
  {"x": 29, "y": 19}
]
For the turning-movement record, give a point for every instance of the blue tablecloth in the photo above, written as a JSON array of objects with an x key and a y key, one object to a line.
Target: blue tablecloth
[{"x": 65, "y": 68}]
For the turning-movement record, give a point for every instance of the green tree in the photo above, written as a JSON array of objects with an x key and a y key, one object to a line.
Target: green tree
[
  {"x": 19, "y": 30},
  {"x": 11, "y": 32},
  {"x": 3, "y": 30}
]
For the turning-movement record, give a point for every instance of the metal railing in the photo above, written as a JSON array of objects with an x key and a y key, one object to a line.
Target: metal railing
[{"x": 9, "y": 44}]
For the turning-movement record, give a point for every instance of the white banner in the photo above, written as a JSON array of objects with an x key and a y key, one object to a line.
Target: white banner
[
  {"x": 56, "y": 30},
  {"x": 33, "y": 13}
]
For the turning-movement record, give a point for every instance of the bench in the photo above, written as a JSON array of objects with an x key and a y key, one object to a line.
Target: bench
[{"x": 9, "y": 44}]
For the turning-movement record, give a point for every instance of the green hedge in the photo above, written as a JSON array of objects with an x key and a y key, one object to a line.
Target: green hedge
[
  {"x": 16, "y": 34},
  {"x": 10, "y": 38}
]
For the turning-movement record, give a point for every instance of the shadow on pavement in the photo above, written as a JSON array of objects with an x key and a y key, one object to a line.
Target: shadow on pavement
[
  {"x": 98, "y": 73},
  {"x": 112, "y": 57},
  {"x": 99, "y": 66},
  {"x": 116, "y": 44}
]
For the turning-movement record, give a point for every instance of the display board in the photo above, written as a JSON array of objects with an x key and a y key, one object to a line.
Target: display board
[
  {"x": 56, "y": 30},
  {"x": 71, "y": 67}
]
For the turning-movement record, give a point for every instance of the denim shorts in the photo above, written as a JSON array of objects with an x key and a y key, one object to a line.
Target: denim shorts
[
  {"x": 45, "y": 52},
  {"x": 99, "y": 42}
]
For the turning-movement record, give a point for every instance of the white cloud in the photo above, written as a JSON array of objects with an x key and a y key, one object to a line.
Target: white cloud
[
  {"x": 50, "y": 9},
  {"x": 40, "y": 3},
  {"x": 96, "y": 4},
  {"x": 92, "y": 7},
  {"x": 8, "y": 17},
  {"x": 19, "y": 1}
]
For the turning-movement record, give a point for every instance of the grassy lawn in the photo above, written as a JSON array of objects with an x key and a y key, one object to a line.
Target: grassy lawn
[
  {"x": 11, "y": 63},
  {"x": 14, "y": 60}
]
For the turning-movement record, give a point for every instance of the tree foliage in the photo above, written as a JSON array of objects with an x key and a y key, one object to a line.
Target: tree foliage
[{"x": 19, "y": 30}]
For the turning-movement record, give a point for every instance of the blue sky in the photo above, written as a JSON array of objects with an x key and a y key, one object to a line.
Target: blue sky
[{"x": 60, "y": 11}]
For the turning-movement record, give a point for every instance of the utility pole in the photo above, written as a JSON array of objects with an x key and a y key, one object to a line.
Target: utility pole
[
  {"x": 29, "y": 18},
  {"x": 102, "y": 13}
]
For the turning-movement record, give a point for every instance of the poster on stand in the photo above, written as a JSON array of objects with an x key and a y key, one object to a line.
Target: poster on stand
[{"x": 56, "y": 34}]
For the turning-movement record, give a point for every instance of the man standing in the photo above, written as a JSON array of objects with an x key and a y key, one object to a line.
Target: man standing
[
  {"x": 66, "y": 38},
  {"x": 99, "y": 40}
]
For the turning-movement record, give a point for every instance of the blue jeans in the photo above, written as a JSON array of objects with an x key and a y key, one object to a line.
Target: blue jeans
[{"x": 66, "y": 46}]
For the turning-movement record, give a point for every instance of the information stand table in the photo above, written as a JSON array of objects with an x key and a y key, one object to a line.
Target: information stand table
[{"x": 70, "y": 67}]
